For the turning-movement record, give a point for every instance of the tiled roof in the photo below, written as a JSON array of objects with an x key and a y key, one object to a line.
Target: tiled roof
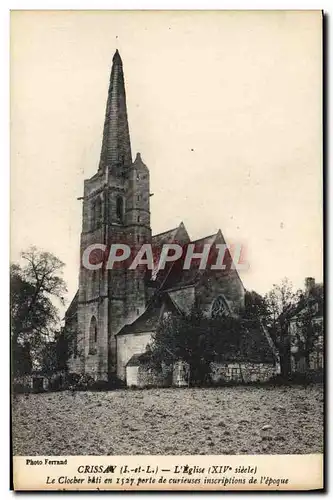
[
  {"x": 165, "y": 237},
  {"x": 178, "y": 277},
  {"x": 148, "y": 321}
]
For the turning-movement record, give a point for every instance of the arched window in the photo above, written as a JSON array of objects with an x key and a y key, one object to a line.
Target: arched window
[
  {"x": 93, "y": 334},
  {"x": 120, "y": 208},
  {"x": 96, "y": 213},
  {"x": 220, "y": 308}
]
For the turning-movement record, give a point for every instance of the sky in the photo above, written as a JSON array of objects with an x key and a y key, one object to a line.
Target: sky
[{"x": 224, "y": 107}]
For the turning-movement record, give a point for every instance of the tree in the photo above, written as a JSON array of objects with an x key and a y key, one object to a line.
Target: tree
[
  {"x": 181, "y": 337},
  {"x": 196, "y": 340},
  {"x": 35, "y": 287},
  {"x": 54, "y": 354},
  {"x": 21, "y": 359},
  {"x": 256, "y": 306},
  {"x": 281, "y": 300}
]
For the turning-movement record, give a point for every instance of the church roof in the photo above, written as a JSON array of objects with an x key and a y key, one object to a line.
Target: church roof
[
  {"x": 178, "y": 277},
  {"x": 165, "y": 237},
  {"x": 176, "y": 235},
  {"x": 72, "y": 308},
  {"x": 148, "y": 321}
]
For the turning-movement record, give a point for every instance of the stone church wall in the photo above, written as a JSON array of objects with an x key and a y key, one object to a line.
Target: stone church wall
[
  {"x": 75, "y": 365},
  {"x": 96, "y": 359}
]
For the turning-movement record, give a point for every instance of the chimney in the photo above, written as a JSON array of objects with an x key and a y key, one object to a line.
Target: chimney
[{"x": 309, "y": 285}]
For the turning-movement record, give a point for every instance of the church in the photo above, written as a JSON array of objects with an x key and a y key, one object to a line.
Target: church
[{"x": 116, "y": 311}]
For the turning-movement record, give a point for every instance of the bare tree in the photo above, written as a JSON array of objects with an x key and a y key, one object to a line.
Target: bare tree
[{"x": 36, "y": 287}]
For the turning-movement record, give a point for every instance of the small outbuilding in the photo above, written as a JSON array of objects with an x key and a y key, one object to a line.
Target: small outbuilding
[{"x": 133, "y": 366}]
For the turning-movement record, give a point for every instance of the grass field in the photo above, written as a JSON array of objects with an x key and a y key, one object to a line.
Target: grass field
[{"x": 170, "y": 421}]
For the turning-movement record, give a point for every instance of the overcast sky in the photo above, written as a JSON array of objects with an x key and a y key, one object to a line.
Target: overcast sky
[{"x": 225, "y": 108}]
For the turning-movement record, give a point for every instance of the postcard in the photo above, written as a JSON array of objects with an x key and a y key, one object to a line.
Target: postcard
[{"x": 167, "y": 296}]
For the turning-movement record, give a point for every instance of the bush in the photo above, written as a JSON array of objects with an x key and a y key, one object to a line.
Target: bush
[
  {"x": 57, "y": 382},
  {"x": 72, "y": 380},
  {"x": 99, "y": 385},
  {"x": 86, "y": 382},
  {"x": 19, "y": 388},
  {"x": 80, "y": 382},
  {"x": 310, "y": 377},
  {"x": 107, "y": 385}
]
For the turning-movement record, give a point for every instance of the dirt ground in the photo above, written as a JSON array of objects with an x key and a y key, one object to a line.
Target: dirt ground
[{"x": 227, "y": 420}]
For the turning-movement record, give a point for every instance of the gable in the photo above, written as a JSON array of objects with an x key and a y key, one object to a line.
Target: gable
[
  {"x": 208, "y": 283},
  {"x": 178, "y": 236}
]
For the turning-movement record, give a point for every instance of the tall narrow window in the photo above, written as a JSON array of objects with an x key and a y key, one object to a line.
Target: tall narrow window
[
  {"x": 93, "y": 335},
  {"x": 98, "y": 212},
  {"x": 120, "y": 208},
  {"x": 92, "y": 215}
]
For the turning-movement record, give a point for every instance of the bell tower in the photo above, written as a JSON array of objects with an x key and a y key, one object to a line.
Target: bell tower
[{"x": 115, "y": 210}]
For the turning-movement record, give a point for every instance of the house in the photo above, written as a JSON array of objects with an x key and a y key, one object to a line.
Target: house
[{"x": 306, "y": 329}]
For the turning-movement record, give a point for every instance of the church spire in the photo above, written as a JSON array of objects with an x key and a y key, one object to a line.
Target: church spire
[{"x": 116, "y": 146}]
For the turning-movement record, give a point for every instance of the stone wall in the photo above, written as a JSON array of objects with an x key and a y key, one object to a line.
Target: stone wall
[
  {"x": 242, "y": 372},
  {"x": 32, "y": 382},
  {"x": 144, "y": 376}
]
